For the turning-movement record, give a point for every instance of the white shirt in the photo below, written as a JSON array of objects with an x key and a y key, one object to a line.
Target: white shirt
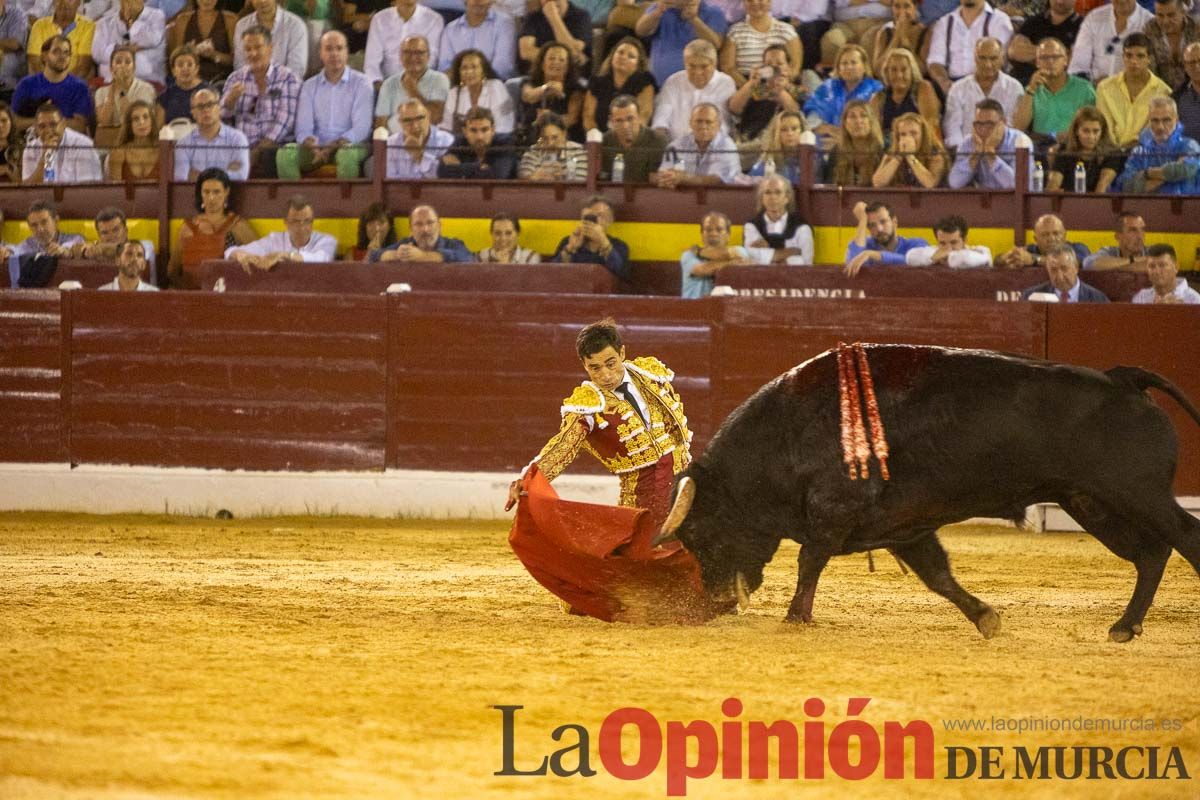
[
  {"x": 970, "y": 257},
  {"x": 75, "y": 159},
  {"x": 678, "y": 97},
  {"x": 959, "y": 60},
  {"x": 493, "y": 97},
  {"x": 148, "y": 33},
  {"x": 802, "y": 240},
  {"x": 115, "y": 286},
  {"x": 1091, "y": 57},
  {"x": 638, "y": 400},
  {"x": 1183, "y": 291},
  {"x": 720, "y": 159},
  {"x": 400, "y": 164},
  {"x": 388, "y": 30},
  {"x": 289, "y": 41},
  {"x": 320, "y": 246},
  {"x": 961, "y": 100}
]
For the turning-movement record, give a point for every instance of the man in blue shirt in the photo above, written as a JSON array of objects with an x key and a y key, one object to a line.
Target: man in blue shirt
[
  {"x": 1164, "y": 161},
  {"x": 333, "y": 117},
  {"x": 485, "y": 29},
  {"x": 590, "y": 243},
  {"x": 988, "y": 160},
  {"x": 56, "y": 84},
  {"x": 426, "y": 242},
  {"x": 668, "y": 25},
  {"x": 882, "y": 246},
  {"x": 211, "y": 143}
]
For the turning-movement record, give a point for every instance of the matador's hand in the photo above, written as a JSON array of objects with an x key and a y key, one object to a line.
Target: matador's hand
[{"x": 514, "y": 494}]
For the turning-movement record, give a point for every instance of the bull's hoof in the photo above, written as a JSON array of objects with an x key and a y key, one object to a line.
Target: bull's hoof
[
  {"x": 797, "y": 619},
  {"x": 1122, "y": 635},
  {"x": 988, "y": 623}
]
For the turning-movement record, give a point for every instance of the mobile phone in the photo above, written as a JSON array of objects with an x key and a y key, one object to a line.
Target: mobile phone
[{"x": 766, "y": 73}]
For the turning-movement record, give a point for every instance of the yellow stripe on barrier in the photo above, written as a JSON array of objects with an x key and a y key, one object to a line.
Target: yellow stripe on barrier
[{"x": 649, "y": 241}]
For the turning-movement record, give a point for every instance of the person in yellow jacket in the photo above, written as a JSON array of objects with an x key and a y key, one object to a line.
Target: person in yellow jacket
[{"x": 628, "y": 415}]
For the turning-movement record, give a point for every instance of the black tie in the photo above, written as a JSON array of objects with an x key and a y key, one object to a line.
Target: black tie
[{"x": 627, "y": 393}]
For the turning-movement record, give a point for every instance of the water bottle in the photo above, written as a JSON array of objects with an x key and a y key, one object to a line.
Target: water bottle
[
  {"x": 48, "y": 170},
  {"x": 572, "y": 167},
  {"x": 1080, "y": 178},
  {"x": 1039, "y": 177},
  {"x": 680, "y": 167},
  {"x": 618, "y": 168},
  {"x": 769, "y": 167}
]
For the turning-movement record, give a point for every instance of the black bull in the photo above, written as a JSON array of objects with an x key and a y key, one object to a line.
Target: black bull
[{"x": 971, "y": 434}]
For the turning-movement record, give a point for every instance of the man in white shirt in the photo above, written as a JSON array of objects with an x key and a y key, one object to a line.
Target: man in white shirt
[
  {"x": 135, "y": 24},
  {"x": 58, "y": 154},
  {"x": 705, "y": 155},
  {"x": 698, "y": 82},
  {"x": 951, "y": 249},
  {"x": 392, "y": 26},
  {"x": 953, "y": 38},
  {"x": 131, "y": 265},
  {"x": 298, "y": 243},
  {"x": 1166, "y": 286},
  {"x": 289, "y": 36},
  {"x": 988, "y": 82},
  {"x": 1098, "y": 47}
]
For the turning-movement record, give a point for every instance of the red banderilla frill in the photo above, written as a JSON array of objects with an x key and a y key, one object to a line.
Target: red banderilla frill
[{"x": 853, "y": 373}]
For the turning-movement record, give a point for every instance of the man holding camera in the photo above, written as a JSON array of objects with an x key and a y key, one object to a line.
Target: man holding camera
[
  {"x": 590, "y": 243},
  {"x": 769, "y": 90}
]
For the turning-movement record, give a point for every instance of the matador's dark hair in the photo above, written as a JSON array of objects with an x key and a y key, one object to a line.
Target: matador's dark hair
[{"x": 597, "y": 336}]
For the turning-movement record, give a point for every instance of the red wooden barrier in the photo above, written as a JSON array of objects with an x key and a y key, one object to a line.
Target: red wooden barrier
[
  {"x": 355, "y": 277},
  {"x": 31, "y": 386},
  {"x": 460, "y": 381},
  {"x": 1165, "y": 339},
  {"x": 228, "y": 381},
  {"x": 828, "y": 282}
]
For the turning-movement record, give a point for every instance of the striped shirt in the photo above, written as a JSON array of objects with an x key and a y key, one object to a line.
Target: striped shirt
[
  {"x": 750, "y": 43},
  {"x": 270, "y": 115}
]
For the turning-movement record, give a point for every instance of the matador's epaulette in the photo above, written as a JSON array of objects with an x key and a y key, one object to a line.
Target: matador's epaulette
[
  {"x": 586, "y": 399},
  {"x": 650, "y": 367}
]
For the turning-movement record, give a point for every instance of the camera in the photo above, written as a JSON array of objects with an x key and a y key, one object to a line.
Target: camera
[
  {"x": 766, "y": 73},
  {"x": 591, "y": 218}
]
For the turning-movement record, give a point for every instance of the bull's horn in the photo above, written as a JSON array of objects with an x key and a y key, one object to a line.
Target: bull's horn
[
  {"x": 663, "y": 538},
  {"x": 743, "y": 595},
  {"x": 679, "y": 511}
]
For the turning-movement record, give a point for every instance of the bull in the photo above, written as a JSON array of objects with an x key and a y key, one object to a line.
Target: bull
[{"x": 970, "y": 433}]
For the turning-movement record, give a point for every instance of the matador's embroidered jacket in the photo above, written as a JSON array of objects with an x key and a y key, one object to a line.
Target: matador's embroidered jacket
[{"x": 607, "y": 426}]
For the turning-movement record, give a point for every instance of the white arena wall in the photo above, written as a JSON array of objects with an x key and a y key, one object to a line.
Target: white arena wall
[{"x": 409, "y": 494}]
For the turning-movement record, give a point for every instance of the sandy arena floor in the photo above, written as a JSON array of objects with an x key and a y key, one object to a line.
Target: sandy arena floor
[{"x": 159, "y": 657}]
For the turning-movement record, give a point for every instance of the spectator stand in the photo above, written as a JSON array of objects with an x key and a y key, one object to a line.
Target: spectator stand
[{"x": 660, "y": 223}]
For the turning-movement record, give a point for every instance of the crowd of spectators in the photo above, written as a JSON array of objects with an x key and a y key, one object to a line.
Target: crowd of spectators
[
  {"x": 680, "y": 93},
  {"x": 930, "y": 94}
]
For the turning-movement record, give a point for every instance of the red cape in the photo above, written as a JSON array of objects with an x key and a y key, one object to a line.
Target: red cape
[{"x": 599, "y": 559}]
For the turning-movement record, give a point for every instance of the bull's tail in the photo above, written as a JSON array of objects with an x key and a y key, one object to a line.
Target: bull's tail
[{"x": 1142, "y": 380}]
